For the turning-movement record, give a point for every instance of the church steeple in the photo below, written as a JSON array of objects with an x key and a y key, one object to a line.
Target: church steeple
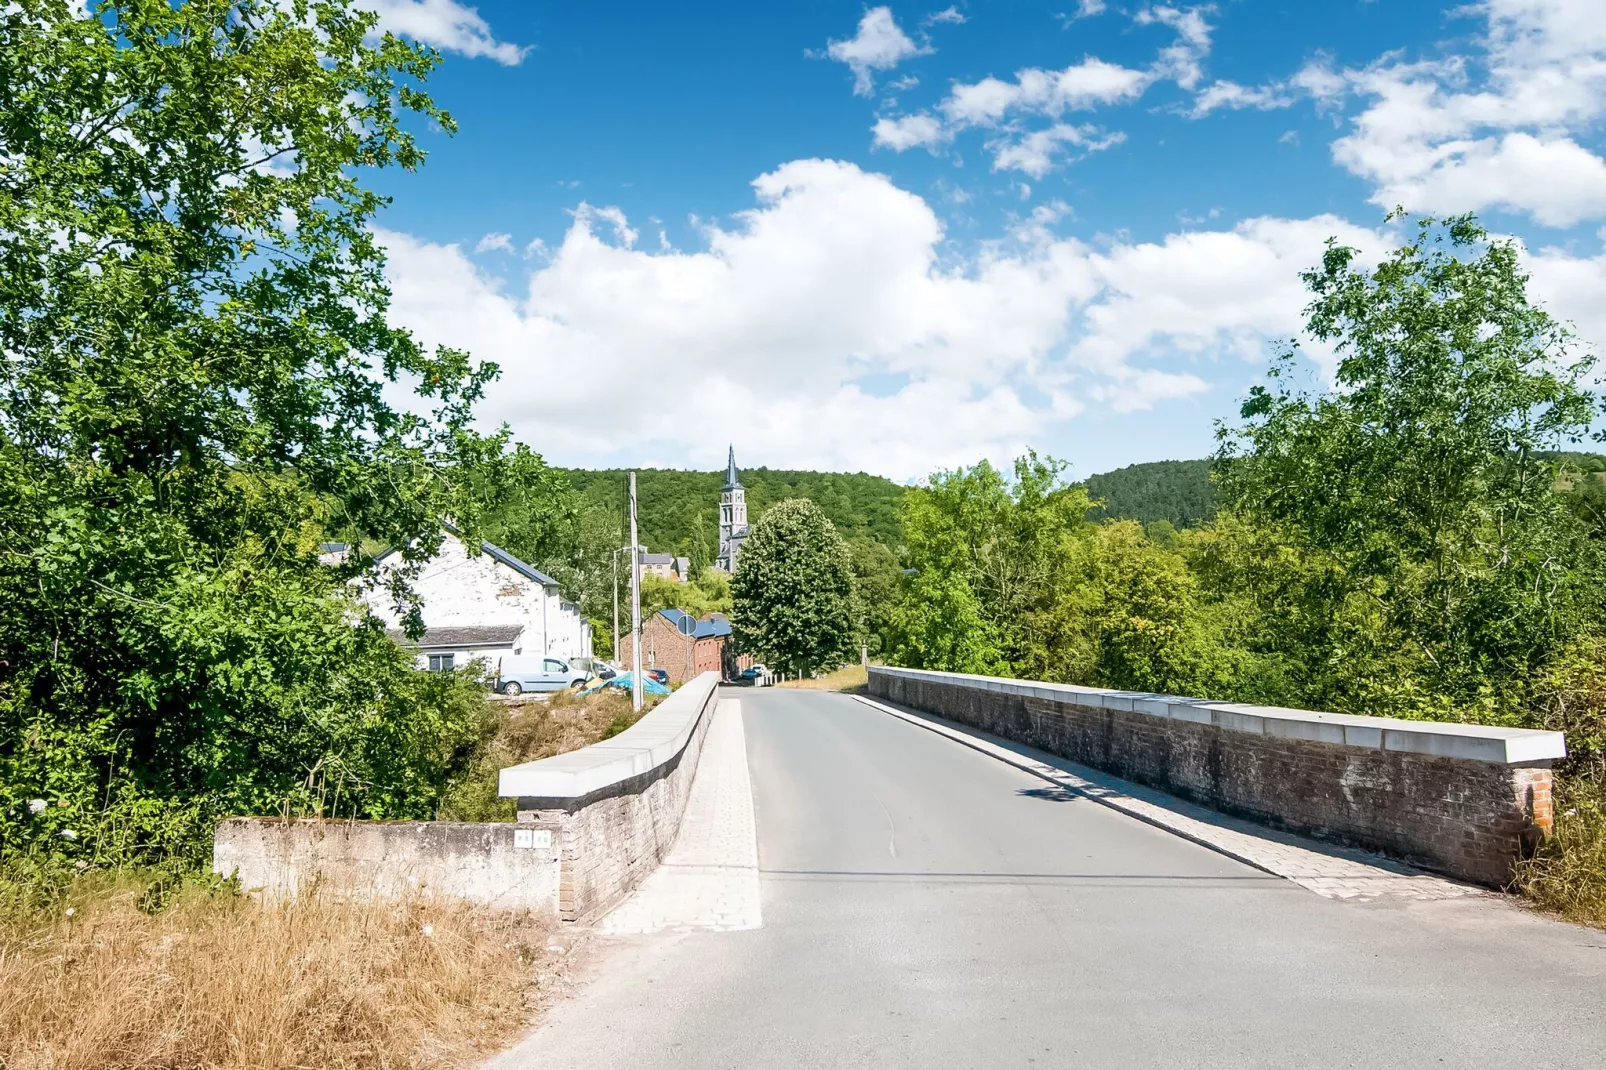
[{"x": 732, "y": 516}]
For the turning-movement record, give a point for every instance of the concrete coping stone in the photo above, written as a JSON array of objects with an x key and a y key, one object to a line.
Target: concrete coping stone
[
  {"x": 654, "y": 740},
  {"x": 1483, "y": 743}
]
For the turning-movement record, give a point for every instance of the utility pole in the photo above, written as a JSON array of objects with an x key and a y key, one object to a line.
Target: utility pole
[
  {"x": 616, "y": 656},
  {"x": 635, "y": 604}
]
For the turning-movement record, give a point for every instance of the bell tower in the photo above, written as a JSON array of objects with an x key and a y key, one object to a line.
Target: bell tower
[{"x": 732, "y": 517}]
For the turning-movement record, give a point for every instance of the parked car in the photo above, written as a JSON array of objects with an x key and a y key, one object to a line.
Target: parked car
[
  {"x": 756, "y": 676},
  {"x": 661, "y": 675},
  {"x": 516, "y": 674}
]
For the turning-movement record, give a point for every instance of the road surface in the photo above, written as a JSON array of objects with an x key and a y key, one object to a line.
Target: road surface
[{"x": 925, "y": 905}]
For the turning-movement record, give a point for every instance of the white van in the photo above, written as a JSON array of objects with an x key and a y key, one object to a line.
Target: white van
[{"x": 516, "y": 674}]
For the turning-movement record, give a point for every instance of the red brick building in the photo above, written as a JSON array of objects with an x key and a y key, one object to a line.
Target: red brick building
[{"x": 666, "y": 644}]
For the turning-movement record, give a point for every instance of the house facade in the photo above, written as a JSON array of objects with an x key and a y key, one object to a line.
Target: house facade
[
  {"x": 483, "y": 606},
  {"x": 666, "y": 645}
]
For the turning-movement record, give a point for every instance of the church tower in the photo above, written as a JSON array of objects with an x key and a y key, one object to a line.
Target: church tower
[{"x": 732, "y": 517}]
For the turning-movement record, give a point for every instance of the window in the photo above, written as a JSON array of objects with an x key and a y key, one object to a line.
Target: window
[
  {"x": 441, "y": 662},
  {"x": 553, "y": 665}
]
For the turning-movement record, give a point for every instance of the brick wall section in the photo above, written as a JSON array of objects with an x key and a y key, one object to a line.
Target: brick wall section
[
  {"x": 1469, "y": 819},
  {"x": 609, "y": 842},
  {"x": 480, "y": 863},
  {"x": 662, "y": 647}
]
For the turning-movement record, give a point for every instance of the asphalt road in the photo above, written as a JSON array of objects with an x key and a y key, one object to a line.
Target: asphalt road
[{"x": 927, "y": 906}]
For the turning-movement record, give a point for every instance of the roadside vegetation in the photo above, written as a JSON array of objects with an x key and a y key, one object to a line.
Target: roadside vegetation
[
  {"x": 526, "y": 730},
  {"x": 96, "y": 980},
  {"x": 1410, "y": 544},
  {"x": 849, "y": 678}
]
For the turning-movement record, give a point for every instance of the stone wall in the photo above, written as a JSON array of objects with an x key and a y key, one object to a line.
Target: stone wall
[
  {"x": 496, "y": 865},
  {"x": 591, "y": 825},
  {"x": 611, "y": 835},
  {"x": 1462, "y": 799}
]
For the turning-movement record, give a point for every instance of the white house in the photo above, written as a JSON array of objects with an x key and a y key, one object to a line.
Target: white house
[{"x": 483, "y": 607}]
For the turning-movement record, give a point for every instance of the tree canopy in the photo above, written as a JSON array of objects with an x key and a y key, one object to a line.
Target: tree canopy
[
  {"x": 793, "y": 597},
  {"x": 194, "y": 395}
]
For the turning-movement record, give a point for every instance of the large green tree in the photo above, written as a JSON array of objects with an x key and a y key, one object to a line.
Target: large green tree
[
  {"x": 793, "y": 599},
  {"x": 193, "y": 395},
  {"x": 1431, "y": 565}
]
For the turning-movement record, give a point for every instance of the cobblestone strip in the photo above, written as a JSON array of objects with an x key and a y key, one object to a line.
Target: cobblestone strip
[
  {"x": 1328, "y": 870},
  {"x": 709, "y": 879}
]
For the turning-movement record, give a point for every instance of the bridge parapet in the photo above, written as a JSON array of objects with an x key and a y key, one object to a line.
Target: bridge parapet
[
  {"x": 1466, "y": 800},
  {"x": 611, "y": 810}
]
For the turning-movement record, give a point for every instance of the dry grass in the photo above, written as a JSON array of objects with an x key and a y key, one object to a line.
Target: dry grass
[
  {"x": 847, "y": 678},
  {"x": 218, "y": 980},
  {"x": 530, "y": 728},
  {"x": 1568, "y": 875}
]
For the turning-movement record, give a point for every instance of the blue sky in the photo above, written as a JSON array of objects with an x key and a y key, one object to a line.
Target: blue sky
[{"x": 893, "y": 238}]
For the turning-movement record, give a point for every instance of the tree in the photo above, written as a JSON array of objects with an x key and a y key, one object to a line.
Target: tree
[
  {"x": 193, "y": 396},
  {"x": 877, "y": 581},
  {"x": 793, "y": 603},
  {"x": 1441, "y": 567}
]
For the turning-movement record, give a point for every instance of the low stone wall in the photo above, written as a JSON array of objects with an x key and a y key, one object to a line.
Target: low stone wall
[
  {"x": 613, "y": 809},
  {"x": 490, "y": 864},
  {"x": 1466, "y": 800},
  {"x": 591, "y": 825}
]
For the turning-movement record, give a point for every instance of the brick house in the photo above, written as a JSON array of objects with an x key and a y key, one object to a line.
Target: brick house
[{"x": 665, "y": 645}]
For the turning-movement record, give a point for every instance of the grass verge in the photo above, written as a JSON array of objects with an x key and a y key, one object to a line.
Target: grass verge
[
  {"x": 1568, "y": 874},
  {"x": 847, "y": 678},
  {"x": 218, "y": 980}
]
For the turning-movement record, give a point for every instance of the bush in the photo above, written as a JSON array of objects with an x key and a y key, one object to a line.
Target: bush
[{"x": 1568, "y": 873}]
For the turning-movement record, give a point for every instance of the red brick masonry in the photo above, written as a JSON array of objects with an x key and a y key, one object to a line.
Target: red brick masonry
[{"x": 1461, "y": 799}]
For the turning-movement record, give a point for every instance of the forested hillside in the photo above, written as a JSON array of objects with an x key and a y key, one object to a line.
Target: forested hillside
[
  {"x": 679, "y": 511},
  {"x": 1178, "y": 491}
]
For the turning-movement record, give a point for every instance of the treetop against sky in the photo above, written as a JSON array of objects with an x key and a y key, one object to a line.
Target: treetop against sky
[{"x": 893, "y": 238}]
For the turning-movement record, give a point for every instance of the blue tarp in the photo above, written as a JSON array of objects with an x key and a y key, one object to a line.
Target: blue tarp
[{"x": 649, "y": 686}]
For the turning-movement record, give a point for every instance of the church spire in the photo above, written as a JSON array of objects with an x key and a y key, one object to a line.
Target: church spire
[{"x": 731, "y": 479}]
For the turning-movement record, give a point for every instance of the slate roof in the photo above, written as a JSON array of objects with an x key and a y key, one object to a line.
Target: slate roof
[
  {"x": 715, "y": 626},
  {"x": 497, "y": 553},
  {"x": 657, "y": 559},
  {"x": 731, "y": 479},
  {"x": 479, "y": 635}
]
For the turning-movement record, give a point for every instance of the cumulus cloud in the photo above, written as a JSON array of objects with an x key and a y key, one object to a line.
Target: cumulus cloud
[
  {"x": 1436, "y": 137},
  {"x": 1037, "y": 152},
  {"x": 879, "y": 45},
  {"x": 446, "y": 24},
  {"x": 834, "y": 324},
  {"x": 950, "y": 14},
  {"x": 495, "y": 241},
  {"x": 1045, "y": 95},
  {"x": 1231, "y": 95},
  {"x": 908, "y": 131}
]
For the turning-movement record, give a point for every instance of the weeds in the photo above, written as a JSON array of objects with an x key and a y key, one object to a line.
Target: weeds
[
  {"x": 218, "y": 980},
  {"x": 1568, "y": 874},
  {"x": 853, "y": 678},
  {"x": 528, "y": 729}
]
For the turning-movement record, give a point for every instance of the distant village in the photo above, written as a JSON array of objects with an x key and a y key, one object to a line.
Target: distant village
[{"x": 491, "y": 606}]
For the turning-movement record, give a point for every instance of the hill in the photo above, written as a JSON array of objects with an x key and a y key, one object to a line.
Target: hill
[
  {"x": 1178, "y": 491},
  {"x": 679, "y": 511}
]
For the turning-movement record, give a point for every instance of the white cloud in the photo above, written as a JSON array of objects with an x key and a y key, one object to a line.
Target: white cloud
[
  {"x": 1225, "y": 94},
  {"x": 834, "y": 325},
  {"x": 1088, "y": 8},
  {"x": 908, "y": 132},
  {"x": 1183, "y": 61},
  {"x": 950, "y": 14},
  {"x": 1435, "y": 137},
  {"x": 880, "y": 45},
  {"x": 1080, "y": 85},
  {"x": 1037, "y": 152},
  {"x": 495, "y": 240},
  {"x": 447, "y": 25},
  {"x": 1048, "y": 94}
]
